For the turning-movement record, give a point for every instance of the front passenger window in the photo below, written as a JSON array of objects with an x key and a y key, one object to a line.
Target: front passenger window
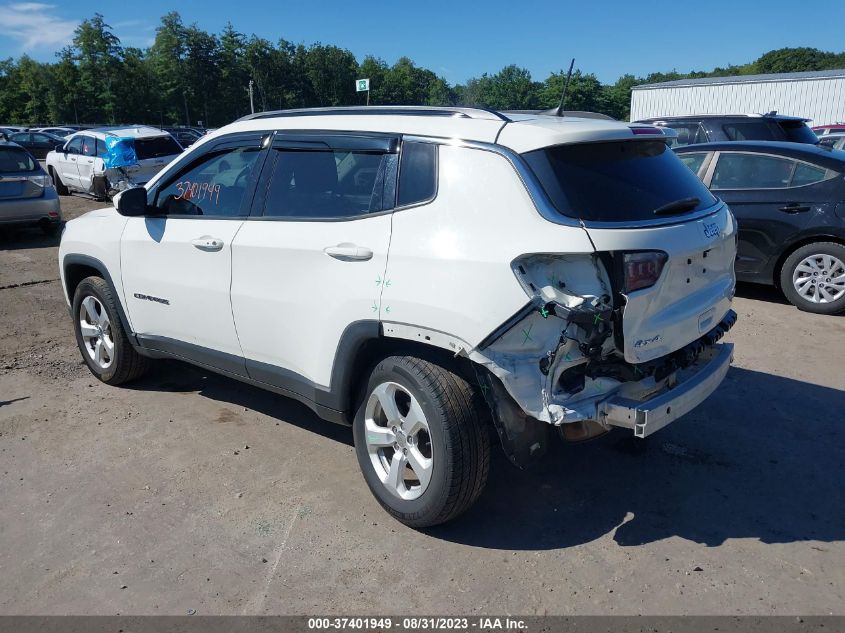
[
  {"x": 75, "y": 146},
  {"x": 214, "y": 186}
]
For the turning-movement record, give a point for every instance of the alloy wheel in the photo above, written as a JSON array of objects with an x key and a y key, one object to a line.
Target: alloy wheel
[
  {"x": 398, "y": 440},
  {"x": 819, "y": 278},
  {"x": 96, "y": 331}
]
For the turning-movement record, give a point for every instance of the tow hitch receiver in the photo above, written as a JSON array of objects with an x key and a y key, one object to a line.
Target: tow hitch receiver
[{"x": 693, "y": 386}]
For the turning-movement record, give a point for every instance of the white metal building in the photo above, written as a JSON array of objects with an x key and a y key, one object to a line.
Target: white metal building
[{"x": 817, "y": 95}]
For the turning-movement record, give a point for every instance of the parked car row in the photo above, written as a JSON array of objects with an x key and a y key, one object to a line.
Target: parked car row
[
  {"x": 39, "y": 144},
  {"x": 785, "y": 183}
]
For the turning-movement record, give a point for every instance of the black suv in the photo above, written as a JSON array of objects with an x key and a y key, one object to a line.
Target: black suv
[{"x": 707, "y": 128}]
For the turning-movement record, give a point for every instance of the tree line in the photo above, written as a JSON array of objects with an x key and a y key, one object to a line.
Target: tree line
[{"x": 189, "y": 75}]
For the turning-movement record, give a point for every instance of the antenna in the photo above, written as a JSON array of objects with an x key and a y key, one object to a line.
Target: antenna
[{"x": 565, "y": 86}]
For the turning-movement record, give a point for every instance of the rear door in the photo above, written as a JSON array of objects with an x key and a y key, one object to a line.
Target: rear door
[
  {"x": 310, "y": 263},
  {"x": 86, "y": 163},
  {"x": 177, "y": 261},
  {"x": 773, "y": 199},
  {"x": 672, "y": 270}
]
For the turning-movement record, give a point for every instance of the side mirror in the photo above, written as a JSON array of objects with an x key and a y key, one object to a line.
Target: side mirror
[{"x": 132, "y": 202}]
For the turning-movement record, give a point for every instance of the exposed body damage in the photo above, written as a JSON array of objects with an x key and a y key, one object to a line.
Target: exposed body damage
[
  {"x": 557, "y": 362},
  {"x": 566, "y": 324}
]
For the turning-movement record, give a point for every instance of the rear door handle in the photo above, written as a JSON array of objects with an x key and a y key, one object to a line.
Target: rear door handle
[
  {"x": 348, "y": 252},
  {"x": 794, "y": 207},
  {"x": 208, "y": 243}
]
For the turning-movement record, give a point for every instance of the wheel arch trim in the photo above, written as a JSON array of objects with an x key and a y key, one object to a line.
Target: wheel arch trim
[{"x": 76, "y": 259}]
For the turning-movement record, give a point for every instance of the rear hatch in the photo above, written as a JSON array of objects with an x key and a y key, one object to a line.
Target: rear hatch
[
  {"x": 672, "y": 270},
  {"x": 797, "y": 131},
  {"x": 20, "y": 174},
  {"x": 153, "y": 154}
]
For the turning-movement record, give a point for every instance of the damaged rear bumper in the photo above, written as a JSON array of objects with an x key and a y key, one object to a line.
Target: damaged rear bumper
[{"x": 699, "y": 381}]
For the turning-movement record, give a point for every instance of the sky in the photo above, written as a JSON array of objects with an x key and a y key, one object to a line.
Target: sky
[{"x": 459, "y": 40}]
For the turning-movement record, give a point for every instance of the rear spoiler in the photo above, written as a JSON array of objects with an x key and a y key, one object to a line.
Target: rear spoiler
[{"x": 646, "y": 131}]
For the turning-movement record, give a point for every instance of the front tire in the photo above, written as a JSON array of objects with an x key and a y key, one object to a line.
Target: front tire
[
  {"x": 420, "y": 442},
  {"x": 813, "y": 278},
  {"x": 61, "y": 189},
  {"x": 100, "y": 336}
]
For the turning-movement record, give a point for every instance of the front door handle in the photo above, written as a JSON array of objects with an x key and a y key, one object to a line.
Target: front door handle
[
  {"x": 208, "y": 243},
  {"x": 794, "y": 207},
  {"x": 348, "y": 252}
]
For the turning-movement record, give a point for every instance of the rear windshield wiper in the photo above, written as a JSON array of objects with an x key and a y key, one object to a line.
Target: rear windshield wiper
[{"x": 678, "y": 206}]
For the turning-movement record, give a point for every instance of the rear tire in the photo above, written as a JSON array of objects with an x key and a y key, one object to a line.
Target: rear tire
[
  {"x": 100, "y": 336},
  {"x": 420, "y": 442},
  {"x": 58, "y": 184},
  {"x": 813, "y": 278}
]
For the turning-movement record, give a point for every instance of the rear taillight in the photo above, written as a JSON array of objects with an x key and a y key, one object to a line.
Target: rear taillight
[
  {"x": 41, "y": 180},
  {"x": 642, "y": 269}
]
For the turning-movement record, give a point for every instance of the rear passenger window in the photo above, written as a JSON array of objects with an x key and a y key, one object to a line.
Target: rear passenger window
[
  {"x": 752, "y": 171},
  {"x": 417, "y": 173},
  {"x": 323, "y": 184},
  {"x": 88, "y": 146},
  {"x": 212, "y": 187},
  {"x": 749, "y": 131},
  {"x": 101, "y": 148},
  {"x": 807, "y": 174}
]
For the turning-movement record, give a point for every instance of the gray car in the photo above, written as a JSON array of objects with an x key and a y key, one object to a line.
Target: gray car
[{"x": 27, "y": 195}]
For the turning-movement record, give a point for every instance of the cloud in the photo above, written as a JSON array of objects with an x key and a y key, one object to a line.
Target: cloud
[{"x": 35, "y": 25}]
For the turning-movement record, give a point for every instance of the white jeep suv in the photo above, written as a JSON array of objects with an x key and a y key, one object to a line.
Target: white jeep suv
[
  {"x": 425, "y": 275},
  {"x": 83, "y": 164}
]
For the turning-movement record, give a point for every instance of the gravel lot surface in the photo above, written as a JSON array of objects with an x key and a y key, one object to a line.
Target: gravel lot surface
[{"x": 191, "y": 491}]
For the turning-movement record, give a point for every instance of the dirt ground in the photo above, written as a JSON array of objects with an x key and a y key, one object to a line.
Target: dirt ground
[{"x": 189, "y": 491}]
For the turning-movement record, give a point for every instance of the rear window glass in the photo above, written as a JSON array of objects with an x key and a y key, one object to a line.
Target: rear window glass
[
  {"x": 156, "y": 147},
  {"x": 616, "y": 181},
  {"x": 750, "y": 131},
  {"x": 798, "y": 132},
  {"x": 15, "y": 159}
]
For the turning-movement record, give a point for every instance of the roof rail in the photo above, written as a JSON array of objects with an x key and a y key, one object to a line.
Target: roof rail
[{"x": 446, "y": 111}]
